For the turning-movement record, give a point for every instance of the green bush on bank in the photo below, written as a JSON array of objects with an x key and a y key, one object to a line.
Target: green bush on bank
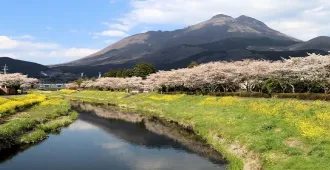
[
  {"x": 303, "y": 96},
  {"x": 33, "y": 137},
  {"x": 55, "y": 125},
  {"x": 40, "y": 133}
]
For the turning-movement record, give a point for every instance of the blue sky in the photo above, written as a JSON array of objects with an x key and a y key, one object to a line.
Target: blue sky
[{"x": 51, "y": 32}]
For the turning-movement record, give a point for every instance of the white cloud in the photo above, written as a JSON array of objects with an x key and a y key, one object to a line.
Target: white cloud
[
  {"x": 49, "y": 27},
  {"x": 121, "y": 27},
  {"x": 315, "y": 14},
  {"x": 7, "y": 43},
  {"x": 112, "y": 33},
  {"x": 11, "y": 55},
  {"x": 37, "y": 45},
  {"x": 25, "y": 37},
  {"x": 79, "y": 52},
  {"x": 80, "y": 125},
  {"x": 28, "y": 50}
]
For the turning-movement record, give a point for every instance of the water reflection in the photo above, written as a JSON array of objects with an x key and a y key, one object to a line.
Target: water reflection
[
  {"x": 133, "y": 133},
  {"x": 93, "y": 142}
]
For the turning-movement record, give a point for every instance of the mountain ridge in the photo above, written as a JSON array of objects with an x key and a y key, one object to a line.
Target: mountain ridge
[
  {"x": 143, "y": 45},
  {"x": 25, "y": 67}
]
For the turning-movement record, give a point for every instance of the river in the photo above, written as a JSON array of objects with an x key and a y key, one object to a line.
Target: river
[{"x": 97, "y": 141}]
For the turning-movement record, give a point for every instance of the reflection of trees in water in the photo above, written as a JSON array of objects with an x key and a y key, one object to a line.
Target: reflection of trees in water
[
  {"x": 153, "y": 133},
  {"x": 192, "y": 141},
  {"x": 9, "y": 153},
  {"x": 133, "y": 133}
]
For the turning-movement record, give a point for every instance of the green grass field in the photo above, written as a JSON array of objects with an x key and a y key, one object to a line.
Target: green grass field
[
  {"x": 30, "y": 125},
  {"x": 250, "y": 132}
]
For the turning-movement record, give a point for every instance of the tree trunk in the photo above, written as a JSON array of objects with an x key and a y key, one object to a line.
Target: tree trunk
[{"x": 293, "y": 89}]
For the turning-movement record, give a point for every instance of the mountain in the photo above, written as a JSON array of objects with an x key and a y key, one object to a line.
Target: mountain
[
  {"x": 220, "y": 38},
  {"x": 144, "y": 45},
  {"x": 322, "y": 43},
  {"x": 25, "y": 67}
]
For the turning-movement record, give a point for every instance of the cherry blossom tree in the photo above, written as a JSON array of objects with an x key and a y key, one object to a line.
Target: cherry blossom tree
[
  {"x": 17, "y": 81},
  {"x": 314, "y": 70}
]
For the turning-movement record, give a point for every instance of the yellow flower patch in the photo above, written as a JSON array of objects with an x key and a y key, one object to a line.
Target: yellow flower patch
[
  {"x": 264, "y": 108},
  {"x": 14, "y": 103},
  {"x": 223, "y": 101},
  {"x": 228, "y": 101},
  {"x": 209, "y": 101},
  {"x": 323, "y": 117},
  {"x": 68, "y": 91},
  {"x": 311, "y": 129},
  {"x": 3, "y": 100},
  {"x": 165, "y": 97}
]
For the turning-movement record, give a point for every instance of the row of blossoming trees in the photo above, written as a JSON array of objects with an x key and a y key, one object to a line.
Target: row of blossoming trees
[
  {"x": 17, "y": 81},
  {"x": 298, "y": 74}
]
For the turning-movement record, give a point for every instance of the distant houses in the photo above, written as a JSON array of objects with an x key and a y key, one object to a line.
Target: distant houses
[
  {"x": 4, "y": 90},
  {"x": 7, "y": 91},
  {"x": 51, "y": 86}
]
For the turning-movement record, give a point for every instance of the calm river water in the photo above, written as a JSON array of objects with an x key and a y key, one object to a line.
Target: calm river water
[{"x": 95, "y": 143}]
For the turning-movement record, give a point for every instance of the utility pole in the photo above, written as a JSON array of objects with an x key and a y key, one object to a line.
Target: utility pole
[{"x": 5, "y": 69}]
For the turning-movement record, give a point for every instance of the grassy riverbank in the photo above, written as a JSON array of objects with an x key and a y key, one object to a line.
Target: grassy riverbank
[
  {"x": 273, "y": 133},
  {"x": 30, "y": 125}
]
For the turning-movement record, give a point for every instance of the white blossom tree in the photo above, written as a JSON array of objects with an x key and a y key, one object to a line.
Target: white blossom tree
[
  {"x": 227, "y": 76},
  {"x": 17, "y": 80}
]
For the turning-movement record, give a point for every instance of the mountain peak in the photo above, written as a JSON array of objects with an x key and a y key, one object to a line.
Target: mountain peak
[
  {"x": 321, "y": 38},
  {"x": 249, "y": 20},
  {"x": 221, "y": 16},
  {"x": 157, "y": 47}
]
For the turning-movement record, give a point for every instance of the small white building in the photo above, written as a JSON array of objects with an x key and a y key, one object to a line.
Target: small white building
[{"x": 51, "y": 86}]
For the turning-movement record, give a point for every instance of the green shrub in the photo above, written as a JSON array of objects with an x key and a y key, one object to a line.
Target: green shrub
[
  {"x": 33, "y": 137},
  {"x": 240, "y": 94},
  {"x": 304, "y": 96}
]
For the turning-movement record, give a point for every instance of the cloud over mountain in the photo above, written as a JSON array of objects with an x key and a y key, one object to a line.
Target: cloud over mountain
[{"x": 298, "y": 18}]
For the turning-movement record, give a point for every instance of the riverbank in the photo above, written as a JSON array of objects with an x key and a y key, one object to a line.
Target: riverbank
[
  {"x": 29, "y": 119},
  {"x": 251, "y": 133}
]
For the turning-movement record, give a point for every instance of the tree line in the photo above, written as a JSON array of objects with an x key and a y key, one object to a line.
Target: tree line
[
  {"x": 140, "y": 70},
  {"x": 297, "y": 74}
]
